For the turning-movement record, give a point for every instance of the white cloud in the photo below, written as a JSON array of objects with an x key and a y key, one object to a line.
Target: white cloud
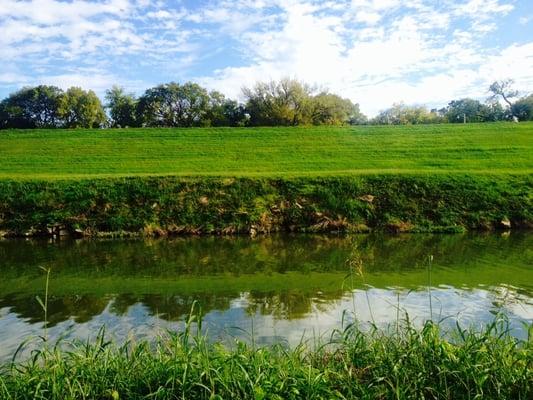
[
  {"x": 483, "y": 9},
  {"x": 375, "y": 4},
  {"x": 515, "y": 61},
  {"x": 375, "y": 52},
  {"x": 524, "y": 20},
  {"x": 13, "y": 78},
  {"x": 99, "y": 81},
  {"x": 411, "y": 57},
  {"x": 368, "y": 17},
  {"x": 79, "y": 28}
]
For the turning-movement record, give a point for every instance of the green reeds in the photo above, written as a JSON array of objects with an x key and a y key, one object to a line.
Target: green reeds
[{"x": 409, "y": 363}]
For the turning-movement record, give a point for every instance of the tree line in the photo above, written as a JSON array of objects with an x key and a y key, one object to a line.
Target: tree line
[
  {"x": 287, "y": 102},
  {"x": 466, "y": 109}
]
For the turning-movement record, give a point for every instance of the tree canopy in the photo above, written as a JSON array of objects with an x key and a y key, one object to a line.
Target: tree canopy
[
  {"x": 121, "y": 107},
  {"x": 290, "y": 102},
  {"x": 523, "y": 108},
  {"x": 49, "y": 107},
  {"x": 401, "y": 114},
  {"x": 287, "y": 102},
  {"x": 32, "y": 107},
  {"x": 225, "y": 112},
  {"x": 173, "y": 105},
  {"x": 81, "y": 109}
]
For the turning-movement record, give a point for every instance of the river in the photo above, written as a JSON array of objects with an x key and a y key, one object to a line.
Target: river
[{"x": 272, "y": 289}]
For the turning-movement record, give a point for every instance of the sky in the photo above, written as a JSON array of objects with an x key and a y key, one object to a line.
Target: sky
[{"x": 374, "y": 52}]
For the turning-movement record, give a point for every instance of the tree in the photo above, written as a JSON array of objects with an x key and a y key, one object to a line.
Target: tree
[
  {"x": 523, "y": 108},
  {"x": 12, "y": 115},
  {"x": 234, "y": 114},
  {"x": 32, "y": 107},
  {"x": 504, "y": 90},
  {"x": 401, "y": 114},
  {"x": 331, "y": 109},
  {"x": 4, "y": 116},
  {"x": 121, "y": 107},
  {"x": 173, "y": 104},
  {"x": 493, "y": 111},
  {"x": 225, "y": 112},
  {"x": 81, "y": 109},
  {"x": 466, "y": 110},
  {"x": 285, "y": 103}
]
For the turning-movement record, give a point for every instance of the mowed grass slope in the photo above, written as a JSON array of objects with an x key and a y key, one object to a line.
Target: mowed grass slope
[{"x": 268, "y": 152}]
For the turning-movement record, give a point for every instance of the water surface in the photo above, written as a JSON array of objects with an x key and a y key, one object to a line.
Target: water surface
[{"x": 278, "y": 288}]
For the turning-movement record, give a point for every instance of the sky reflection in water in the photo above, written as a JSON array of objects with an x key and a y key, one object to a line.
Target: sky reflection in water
[{"x": 281, "y": 288}]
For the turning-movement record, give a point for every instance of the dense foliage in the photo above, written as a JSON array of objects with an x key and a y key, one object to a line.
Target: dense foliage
[
  {"x": 291, "y": 103},
  {"x": 407, "y": 363},
  {"x": 80, "y": 109},
  {"x": 523, "y": 108},
  {"x": 457, "y": 111},
  {"x": 169, "y": 205},
  {"x": 50, "y": 107},
  {"x": 287, "y": 102}
]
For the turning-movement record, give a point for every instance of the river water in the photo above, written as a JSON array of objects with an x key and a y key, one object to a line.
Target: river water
[{"x": 276, "y": 289}]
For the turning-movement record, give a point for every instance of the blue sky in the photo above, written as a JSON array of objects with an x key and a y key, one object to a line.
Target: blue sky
[{"x": 375, "y": 52}]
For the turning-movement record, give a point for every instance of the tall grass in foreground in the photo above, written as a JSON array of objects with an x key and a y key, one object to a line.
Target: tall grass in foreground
[{"x": 406, "y": 364}]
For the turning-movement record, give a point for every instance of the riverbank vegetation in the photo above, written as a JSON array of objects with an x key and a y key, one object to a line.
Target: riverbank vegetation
[
  {"x": 403, "y": 363},
  {"x": 258, "y": 180},
  {"x": 287, "y": 102},
  {"x": 171, "y": 206}
]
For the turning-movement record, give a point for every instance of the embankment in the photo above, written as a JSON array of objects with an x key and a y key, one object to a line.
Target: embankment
[{"x": 209, "y": 205}]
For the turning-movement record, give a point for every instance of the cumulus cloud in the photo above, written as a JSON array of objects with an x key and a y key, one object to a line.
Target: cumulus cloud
[
  {"x": 375, "y": 52},
  {"x": 418, "y": 53},
  {"x": 81, "y": 29}
]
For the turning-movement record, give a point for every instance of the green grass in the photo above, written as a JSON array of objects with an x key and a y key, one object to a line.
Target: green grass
[
  {"x": 403, "y": 363},
  {"x": 173, "y": 205},
  {"x": 239, "y": 180},
  {"x": 268, "y": 152}
]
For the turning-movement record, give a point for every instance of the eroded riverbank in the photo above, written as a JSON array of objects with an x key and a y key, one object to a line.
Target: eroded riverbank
[{"x": 170, "y": 206}]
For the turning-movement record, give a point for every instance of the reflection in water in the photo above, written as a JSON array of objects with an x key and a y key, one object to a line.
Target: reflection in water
[{"x": 279, "y": 287}]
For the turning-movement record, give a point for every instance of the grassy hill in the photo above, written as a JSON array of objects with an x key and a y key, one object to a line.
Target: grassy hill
[
  {"x": 439, "y": 178},
  {"x": 268, "y": 152}
]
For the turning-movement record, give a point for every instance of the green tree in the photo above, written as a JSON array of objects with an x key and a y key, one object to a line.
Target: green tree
[
  {"x": 493, "y": 111},
  {"x": 172, "y": 104},
  {"x": 285, "y": 103},
  {"x": 121, "y": 106},
  {"x": 401, "y": 114},
  {"x": 81, "y": 109},
  {"x": 225, "y": 112},
  {"x": 331, "y": 109},
  {"x": 32, "y": 107},
  {"x": 466, "y": 110},
  {"x": 523, "y": 108}
]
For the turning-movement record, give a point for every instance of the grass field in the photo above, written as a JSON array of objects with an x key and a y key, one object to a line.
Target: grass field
[
  {"x": 433, "y": 178},
  {"x": 268, "y": 152}
]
